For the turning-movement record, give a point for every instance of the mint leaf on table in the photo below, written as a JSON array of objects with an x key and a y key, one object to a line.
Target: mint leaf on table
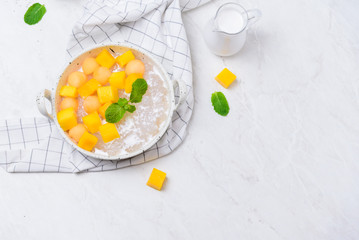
[
  {"x": 114, "y": 113},
  {"x": 220, "y": 103},
  {"x": 34, "y": 14},
  {"x": 139, "y": 88}
]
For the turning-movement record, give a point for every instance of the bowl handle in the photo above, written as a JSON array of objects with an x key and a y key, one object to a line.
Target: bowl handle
[
  {"x": 40, "y": 101},
  {"x": 182, "y": 88}
]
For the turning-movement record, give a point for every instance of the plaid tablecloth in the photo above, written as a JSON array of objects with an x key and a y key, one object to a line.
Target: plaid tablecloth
[{"x": 35, "y": 145}]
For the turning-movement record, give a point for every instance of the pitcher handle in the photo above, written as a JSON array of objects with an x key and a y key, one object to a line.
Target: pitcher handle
[
  {"x": 253, "y": 16},
  {"x": 40, "y": 101}
]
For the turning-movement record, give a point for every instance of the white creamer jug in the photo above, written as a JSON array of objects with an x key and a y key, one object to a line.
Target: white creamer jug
[{"x": 226, "y": 33}]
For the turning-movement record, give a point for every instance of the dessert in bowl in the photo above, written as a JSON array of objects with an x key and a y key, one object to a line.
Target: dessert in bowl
[{"x": 105, "y": 78}]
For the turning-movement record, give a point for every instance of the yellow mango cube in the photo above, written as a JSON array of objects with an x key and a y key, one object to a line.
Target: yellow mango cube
[
  {"x": 67, "y": 118},
  {"x": 87, "y": 141},
  {"x": 109, "y": 132},
  {"x": 125, "y": 58},
  {"x": 130, "y": 80},
  {"x": 117, "y": 80},
  {"x": 103, "y": 108},
  {"x": 156, "y": 179},
  {"x": 68, "y": 91},
  {"x": 105, "y": 59},
  {"x": 92, "y": 122},
  {"x": 89, "y": 88},
  {"x": 225, "y": 78},
  {"x": 107, "y": 94}
]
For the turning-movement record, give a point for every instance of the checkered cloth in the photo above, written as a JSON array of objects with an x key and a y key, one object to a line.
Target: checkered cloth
[{"x": 35, "y": 145}]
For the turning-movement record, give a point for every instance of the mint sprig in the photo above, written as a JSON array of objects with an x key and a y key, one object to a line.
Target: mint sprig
[
  {"x": 130, "y": 108},
  {"x": 34, "y": 14},
  {"x": 220, "y": 103},
  {"x": 122, "y": 102},
  {"x": 115, "y": 112}
]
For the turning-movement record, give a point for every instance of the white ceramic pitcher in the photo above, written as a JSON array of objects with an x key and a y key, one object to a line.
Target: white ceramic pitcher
[{"x": 226, "y": 33}]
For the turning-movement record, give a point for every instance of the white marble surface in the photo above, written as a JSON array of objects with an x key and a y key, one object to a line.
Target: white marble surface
[{"x": 284, "y": 164}]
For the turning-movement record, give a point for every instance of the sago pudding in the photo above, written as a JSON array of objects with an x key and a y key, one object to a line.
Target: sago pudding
[{"x": 113, "y": 103}]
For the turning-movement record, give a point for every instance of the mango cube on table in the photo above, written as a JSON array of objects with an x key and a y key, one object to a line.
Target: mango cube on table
[
  {"x": 156, "y": 179},
  {"x": 130, "y": 80},
  {"x": 89, "y": 88},
  {"x": 92, "y": 122},
  {"x": 87, "y": 141},
  {"x": 109, "y": 132},
  {"x": 225, "y": 78},
  {"x": 68, "y": 91},
  {"x": 105, "y": 59},
  {"x": 103, "y": 108},
  {"x": 67, "y": 118},
  {"x": 125, "y": 58},
  {"x": 117, "y": 80},
  {"x": 107, "y": 94}
]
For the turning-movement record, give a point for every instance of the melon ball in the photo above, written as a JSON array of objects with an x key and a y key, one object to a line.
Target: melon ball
[
  {"x": 135, "y": 66},
  {"x": 69, "y": 102},
  {"x": 102, "y": 74},
  {"x": 89, "y": 65},
  {"x": 77, "y": 79},
  {"x": 76, "y": 132},
  {"x": 91, "y": 104}
]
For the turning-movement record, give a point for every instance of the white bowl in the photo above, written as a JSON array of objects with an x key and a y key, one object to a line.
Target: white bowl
[{"x": 54, "y": 97}]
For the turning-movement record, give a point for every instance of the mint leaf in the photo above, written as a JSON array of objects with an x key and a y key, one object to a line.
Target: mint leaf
[
  {"x": 114, "y": 113},
  {"x": 139, "y": 88},
  {"x": 220, "y": 103},
  {"x": 130, "y": 108},
  {"x": 34, "y": 14},
  {"x": 122, "y": 102}
]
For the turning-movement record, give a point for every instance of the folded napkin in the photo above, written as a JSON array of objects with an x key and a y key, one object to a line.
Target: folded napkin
[{"x": 35, "y": 145}]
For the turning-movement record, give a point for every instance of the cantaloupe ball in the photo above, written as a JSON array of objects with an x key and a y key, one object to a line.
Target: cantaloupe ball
[
  {"x": 69, "y": 102},
  {"x": 102, "y": 75},
  {"x": 77, "y": 79},
  {"x": 91, "y": 104},
  {"x": 89, "y": 65},
  {"x": 135, "y": 66},
  {"x": 76, "y": 132}
]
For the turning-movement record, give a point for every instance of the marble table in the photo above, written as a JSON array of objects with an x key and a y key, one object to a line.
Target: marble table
[{"x": 284, "y": 164}]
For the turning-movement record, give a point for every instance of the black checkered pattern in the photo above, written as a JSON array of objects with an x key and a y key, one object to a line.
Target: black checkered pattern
[{"x": 35, "y": 145}]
